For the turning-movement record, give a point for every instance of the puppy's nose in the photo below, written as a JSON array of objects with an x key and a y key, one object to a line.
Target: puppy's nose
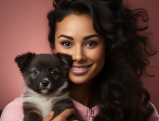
[{"x": 45, "y": 83}]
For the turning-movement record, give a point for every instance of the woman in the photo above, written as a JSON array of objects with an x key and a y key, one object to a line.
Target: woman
[{"x": 109, "y": 59}]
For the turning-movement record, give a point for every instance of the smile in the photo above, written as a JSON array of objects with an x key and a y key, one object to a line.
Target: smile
[{"x": 78, "y": 70}]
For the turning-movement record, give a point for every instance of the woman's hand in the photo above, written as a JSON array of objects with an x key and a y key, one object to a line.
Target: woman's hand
[{"x": 61, "y": 117}]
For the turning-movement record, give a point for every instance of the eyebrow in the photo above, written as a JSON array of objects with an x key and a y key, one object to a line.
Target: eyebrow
[
  {"x": 65, "y": 36},
  {"x": 87, "y": 37}
]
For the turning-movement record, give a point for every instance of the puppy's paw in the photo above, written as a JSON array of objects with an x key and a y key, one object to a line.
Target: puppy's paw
[{"x": 33, "y": 116}]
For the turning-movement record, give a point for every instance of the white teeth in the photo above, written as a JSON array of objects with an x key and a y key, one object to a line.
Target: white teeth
[{"x": 79, "y": 69}]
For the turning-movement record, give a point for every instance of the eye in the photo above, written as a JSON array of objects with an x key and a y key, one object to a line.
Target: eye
[
  {"x": 53, "y": 73},
  {"x": 66, "y": 43},
  {"x": 92, "y": 43},
  {"x": 36, "y": 72}
]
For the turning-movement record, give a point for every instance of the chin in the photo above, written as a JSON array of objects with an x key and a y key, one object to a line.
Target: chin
[{"x": 79, "y": 79}]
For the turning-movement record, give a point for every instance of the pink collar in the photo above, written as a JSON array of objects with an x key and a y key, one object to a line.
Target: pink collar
[{"x": 86, "y": 113}]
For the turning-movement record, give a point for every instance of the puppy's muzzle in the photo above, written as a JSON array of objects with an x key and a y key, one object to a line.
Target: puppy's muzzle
[{"x": 45, "y": 83}]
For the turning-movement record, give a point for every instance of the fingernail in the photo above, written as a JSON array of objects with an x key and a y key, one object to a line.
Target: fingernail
[{"x": 51, "y": 113}]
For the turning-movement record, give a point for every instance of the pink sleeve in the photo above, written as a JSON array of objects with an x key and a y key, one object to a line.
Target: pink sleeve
[
  {"x": 154, "y": 116},
  {"x": 13, "y": 111}
]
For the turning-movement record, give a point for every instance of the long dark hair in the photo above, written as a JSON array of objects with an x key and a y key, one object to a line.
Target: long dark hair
[{"x": 118, "y": 91}]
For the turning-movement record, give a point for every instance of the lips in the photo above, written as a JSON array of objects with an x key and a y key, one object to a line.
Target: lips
[{"x": 80, "y": 69}]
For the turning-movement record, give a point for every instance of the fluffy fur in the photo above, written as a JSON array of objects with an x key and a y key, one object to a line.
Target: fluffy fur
[{"x": 46, "y": 83}]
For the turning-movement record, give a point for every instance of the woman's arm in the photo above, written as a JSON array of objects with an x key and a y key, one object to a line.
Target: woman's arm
[{"x": 13, "y": 111}]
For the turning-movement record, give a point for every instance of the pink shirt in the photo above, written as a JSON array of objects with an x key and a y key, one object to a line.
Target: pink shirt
[{"x": 14, "y": 111}]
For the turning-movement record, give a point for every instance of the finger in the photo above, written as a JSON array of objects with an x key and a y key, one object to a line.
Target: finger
[
  {"x": 73, "y": 120},
  {"x": 49, "y": 117},
  {"x": 68, "y": 112}
]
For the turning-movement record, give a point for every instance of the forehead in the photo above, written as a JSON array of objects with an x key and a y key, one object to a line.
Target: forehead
[
  {"x": 45, "y": 60},
  {"x": 75, "y": 25}
]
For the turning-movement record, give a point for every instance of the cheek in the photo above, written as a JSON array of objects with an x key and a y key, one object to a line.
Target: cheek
[
  {"x": 33, "y": 77},
  {"x": 56, "y": 77},
  {"x": 97, "y": 55}
]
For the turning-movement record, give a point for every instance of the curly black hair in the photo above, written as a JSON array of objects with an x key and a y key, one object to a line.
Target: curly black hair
[{"x": 118, "y": 89}]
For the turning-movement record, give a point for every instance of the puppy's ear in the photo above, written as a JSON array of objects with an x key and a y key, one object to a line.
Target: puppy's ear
[
  {"x": 24, "y": 60},
  {"x": 65, "y": 59}
]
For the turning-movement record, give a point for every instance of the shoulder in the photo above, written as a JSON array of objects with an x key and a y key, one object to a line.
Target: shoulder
[
  {"x": 13, "y": 111},
  {"x": 154, "y": 116}
]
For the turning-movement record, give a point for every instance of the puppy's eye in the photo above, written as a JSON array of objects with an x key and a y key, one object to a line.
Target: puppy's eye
[
  {"x": 53, "y": 73},
  {"x": 36, "y": 72}
]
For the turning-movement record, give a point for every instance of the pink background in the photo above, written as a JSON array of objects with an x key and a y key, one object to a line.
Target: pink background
[{"x": 24, "y": 27}]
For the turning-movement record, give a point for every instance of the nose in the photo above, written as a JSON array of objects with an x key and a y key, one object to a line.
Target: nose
[
  {"x": 78, "y": 54},
  {"x": 45, "y": 83}
]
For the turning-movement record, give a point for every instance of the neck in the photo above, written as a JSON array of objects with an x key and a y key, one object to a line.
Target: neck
[{"x": 82, "y": 93}]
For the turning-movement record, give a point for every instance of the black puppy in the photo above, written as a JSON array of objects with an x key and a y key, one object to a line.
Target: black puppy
[{"x": 46, "y": 85}]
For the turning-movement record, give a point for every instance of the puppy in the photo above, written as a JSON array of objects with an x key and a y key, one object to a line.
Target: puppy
[{"x": 46, "y": 83}]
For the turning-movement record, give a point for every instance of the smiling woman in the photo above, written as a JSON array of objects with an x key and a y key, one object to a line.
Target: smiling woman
[
  {"x": 102, "y": 38},
  {"x": 76, "y": 36}
]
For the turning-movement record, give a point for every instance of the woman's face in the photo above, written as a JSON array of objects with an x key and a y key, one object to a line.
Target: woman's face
[{"x": 76, "y": 36}]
